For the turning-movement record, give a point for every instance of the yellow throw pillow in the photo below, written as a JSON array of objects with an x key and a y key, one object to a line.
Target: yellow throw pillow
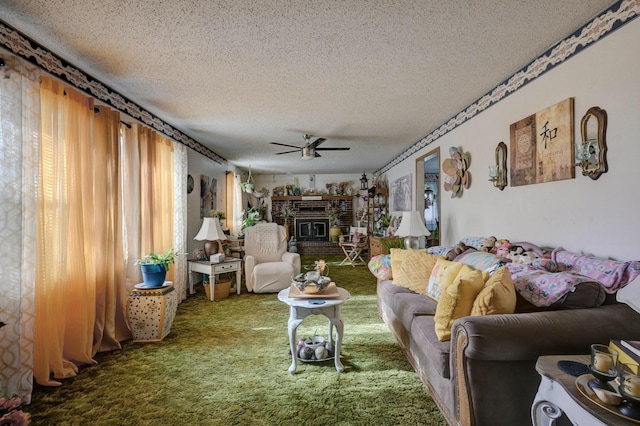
[
  {"x": 498, "y": 295},
  {"x": 397, "y": 256},
  {"x": 415, "y": 270},
  {"x": 456, "y": 300},
  {"x": 444, "y": 272}
]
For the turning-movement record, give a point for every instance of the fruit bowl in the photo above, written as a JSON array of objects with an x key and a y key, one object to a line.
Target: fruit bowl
[{"x": 311, "y": 286}]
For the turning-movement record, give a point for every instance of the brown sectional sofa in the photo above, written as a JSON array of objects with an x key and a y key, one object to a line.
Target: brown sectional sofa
[{"x": 485, "y": 376}]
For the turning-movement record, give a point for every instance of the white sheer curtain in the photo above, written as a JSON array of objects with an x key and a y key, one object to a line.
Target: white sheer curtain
[
  {"x": 238, "y": 211},
  {"x": 19, "y": 155},
  {"x": 180, "y": 171}
]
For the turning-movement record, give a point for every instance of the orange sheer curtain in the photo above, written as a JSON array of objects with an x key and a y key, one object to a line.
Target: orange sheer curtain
[
  {"x": 156, "y": 192},
  {"x": 147, "y": 166},
  {"x": 78, "y": 243},
  {"x": 105, "y": 199}
]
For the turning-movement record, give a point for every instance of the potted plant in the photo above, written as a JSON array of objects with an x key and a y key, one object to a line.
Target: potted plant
[
  {"x": 333, "y": 214},
  {"x": 384, "y": 223},
  {"x": 253, "y": 217},
  {"x": 155, "y": 266},
  {"x": 287, "y": 212}
]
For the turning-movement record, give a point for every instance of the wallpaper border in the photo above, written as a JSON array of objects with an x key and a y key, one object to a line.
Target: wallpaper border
[
  {"x": 619, "y": 14},
  {"x": 28, "y": 49}
]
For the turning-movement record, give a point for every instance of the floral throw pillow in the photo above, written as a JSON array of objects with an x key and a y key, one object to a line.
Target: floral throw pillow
[{"x": 380, "y": 266}]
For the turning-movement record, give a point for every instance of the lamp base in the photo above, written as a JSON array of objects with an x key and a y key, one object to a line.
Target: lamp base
[
  {"x": 210, "y": 248},
  {"x": 412, "y": 243},
  {"x": 213, "y": 247}
]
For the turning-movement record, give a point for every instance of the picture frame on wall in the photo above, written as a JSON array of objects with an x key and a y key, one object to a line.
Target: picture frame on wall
[
  {"x": 401, "y": 194},
  {"x": 542, "y": 146}
]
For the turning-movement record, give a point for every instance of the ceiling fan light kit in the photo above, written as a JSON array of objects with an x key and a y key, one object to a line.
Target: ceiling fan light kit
[
  {"x": 308, "y": 153},
  {"x": 309, "y": 150}
]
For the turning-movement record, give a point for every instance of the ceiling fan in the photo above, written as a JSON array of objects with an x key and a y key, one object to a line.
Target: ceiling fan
[{"x": 309, "y": 150}]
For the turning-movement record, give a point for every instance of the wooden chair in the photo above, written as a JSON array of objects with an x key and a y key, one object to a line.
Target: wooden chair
[{"x": 353, "y": 245}]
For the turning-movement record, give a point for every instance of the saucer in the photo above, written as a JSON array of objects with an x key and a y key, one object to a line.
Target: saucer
[{"x": 142, "y": 286}]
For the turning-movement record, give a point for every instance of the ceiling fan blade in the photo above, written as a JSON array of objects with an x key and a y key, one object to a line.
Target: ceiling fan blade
[
  {"x": 316, "y": 154},
  {"x": 287, "y": 152},
  {"x": 333, "y": 149},
  {"x": 317, "y": 142},
  {"x": 284, "y": 144}
]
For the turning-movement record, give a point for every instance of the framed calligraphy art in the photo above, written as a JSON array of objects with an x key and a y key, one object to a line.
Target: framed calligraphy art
[{"x": 542, "y": 146}]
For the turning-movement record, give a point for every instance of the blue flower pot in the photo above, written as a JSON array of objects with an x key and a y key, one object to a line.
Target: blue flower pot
[{"x": 153, "y": 275}]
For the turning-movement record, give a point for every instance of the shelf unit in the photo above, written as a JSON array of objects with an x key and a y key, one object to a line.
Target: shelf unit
[{"x": 377, "y": 205}]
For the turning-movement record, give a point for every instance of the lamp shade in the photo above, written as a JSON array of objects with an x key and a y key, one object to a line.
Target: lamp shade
[
  {"x": 412, "y": 227},
  {"x": 210, "y": 230}
]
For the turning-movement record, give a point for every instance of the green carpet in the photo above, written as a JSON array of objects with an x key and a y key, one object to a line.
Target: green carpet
[{"x": 225, "y": 363}]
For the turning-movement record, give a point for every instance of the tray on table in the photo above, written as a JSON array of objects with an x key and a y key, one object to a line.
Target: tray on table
[{"x": 331, "y": 291}]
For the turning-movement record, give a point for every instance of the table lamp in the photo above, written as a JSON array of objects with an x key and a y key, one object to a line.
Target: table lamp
[
  {"x": 211, "y": 232},
  {"x": 412, "y": 227}
]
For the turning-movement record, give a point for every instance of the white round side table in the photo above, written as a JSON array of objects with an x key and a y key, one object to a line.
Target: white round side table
[{"x": 299, "y": 309}]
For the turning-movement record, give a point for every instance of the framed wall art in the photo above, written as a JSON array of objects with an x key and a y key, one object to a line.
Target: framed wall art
[
  {"x": 401, "y": 194},
  {"x": 542, "y": 146},
  {"x": 208, "y": 195}
]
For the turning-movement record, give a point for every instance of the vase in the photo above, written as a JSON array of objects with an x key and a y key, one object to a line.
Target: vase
[
  {"x": 153, "y": 274},
  {"x": 334, "y": 233}
]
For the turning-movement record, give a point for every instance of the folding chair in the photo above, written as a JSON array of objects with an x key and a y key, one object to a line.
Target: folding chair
[{"x": 354, "y": 245}]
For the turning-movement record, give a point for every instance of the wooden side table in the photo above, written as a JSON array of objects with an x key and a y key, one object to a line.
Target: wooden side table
[
  {"x": 150, "y": 312},
  {"x": 213, "y": 269},
  {"x": 558, "y": 394}
]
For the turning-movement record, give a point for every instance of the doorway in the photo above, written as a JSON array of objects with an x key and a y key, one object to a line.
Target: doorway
[{"x": 428, "y": 193}]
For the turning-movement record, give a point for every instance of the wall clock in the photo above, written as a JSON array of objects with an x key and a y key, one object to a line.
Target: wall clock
[{"x": 189, "y": 184}]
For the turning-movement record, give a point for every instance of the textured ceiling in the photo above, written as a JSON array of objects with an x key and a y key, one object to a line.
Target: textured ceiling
[{"x": 234, "y": 75}]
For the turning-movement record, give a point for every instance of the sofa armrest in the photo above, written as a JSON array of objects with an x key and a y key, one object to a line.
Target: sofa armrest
[
  {"x": 294, "y": 259},
  {"x": 249, "y": 263},
  {"x": 527, "y": 336},
  {"x": 485, "y": 347}
]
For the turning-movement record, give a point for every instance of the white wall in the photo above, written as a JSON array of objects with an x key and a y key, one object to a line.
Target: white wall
[
  {"x": 599, "y": 216},
  {"x": 271, "y": 181},
  {"x": 201, "y": 165}
]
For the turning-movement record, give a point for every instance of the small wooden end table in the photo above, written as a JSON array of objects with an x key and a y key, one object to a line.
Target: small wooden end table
[
  {"x": 558, "y": 394},
  {"x": 212, "y": 269},
  {"x": 299, "y": 309}
]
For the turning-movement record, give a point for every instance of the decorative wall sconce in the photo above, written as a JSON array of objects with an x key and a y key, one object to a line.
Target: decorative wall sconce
[
  {"x": 498, "y": 173},
  {"x": 591, "y": 152},
  {"x": 364, "y": 183}
]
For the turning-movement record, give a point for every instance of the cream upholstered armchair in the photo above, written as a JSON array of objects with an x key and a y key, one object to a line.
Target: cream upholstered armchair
[{"x": 267, "y": 264}]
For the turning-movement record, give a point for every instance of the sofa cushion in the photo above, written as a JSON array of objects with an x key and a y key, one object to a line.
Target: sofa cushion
[
  {"x": 498, "y": 296},
  {"x": 412, "y": 304},
  {"x": 386, "y": 290},
  {"x": 444, "y": 272},
  {"x": 431, "y": 350},
  {"x": 380, "y": 266},
  {"x": 415, "y": 271},
  {"x": 456, "y": 300},
  {"x": 407, "y": 307}
]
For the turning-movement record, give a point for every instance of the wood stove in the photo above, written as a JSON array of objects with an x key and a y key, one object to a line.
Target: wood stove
[{"x": 312, "y": 229}]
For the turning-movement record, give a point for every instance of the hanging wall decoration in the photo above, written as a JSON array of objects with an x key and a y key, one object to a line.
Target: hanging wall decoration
[
  {"x": 542, "y": 146},
  {"x": 456, "y": 172},
  {"x": 208, "y": 195},
  {"x": 401, "y": 194}
]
